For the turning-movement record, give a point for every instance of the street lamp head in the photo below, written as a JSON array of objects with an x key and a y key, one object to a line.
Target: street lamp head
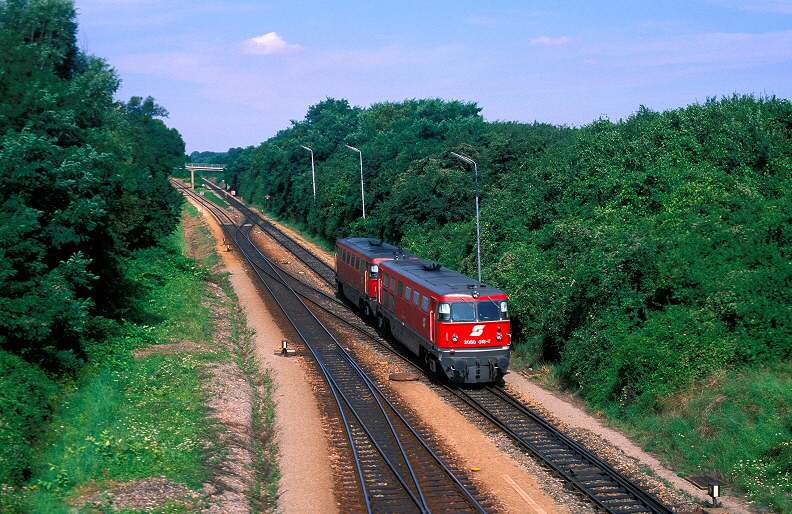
[
  {"x": 462, "y": 157},
  {"x": 352, "y": 148}
]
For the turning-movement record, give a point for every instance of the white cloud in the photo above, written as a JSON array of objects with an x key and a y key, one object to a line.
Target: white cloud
[
  {"x": 268, "y": 44},
  {"x": 548, "y": 41}
]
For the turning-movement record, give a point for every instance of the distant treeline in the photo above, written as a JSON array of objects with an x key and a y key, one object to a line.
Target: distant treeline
[{"x": 638, "y": 254}]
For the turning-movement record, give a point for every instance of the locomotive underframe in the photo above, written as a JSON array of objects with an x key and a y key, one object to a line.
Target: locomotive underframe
[{"x": 357, "y": 298}]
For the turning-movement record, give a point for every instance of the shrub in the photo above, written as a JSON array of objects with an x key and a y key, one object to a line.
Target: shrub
[{"x": 25, "y": 403}]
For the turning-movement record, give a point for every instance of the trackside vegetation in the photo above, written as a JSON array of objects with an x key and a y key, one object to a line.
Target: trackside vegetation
[
  {"x": 90, "y": 272},
  {"x": 131, "y": 417},
  {"x": 648, "y": 260}
]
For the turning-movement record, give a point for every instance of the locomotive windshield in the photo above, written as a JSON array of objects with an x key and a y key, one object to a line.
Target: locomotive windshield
[{"x": 472, "y": 311}]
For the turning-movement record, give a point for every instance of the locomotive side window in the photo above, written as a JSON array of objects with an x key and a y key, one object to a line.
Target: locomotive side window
[
  {"x": 393, "y": 283},
  {"x": 392, "y": 301},
  {"x": 357, "y": 263},
  {"x": 416, "y": 298},
  {"x": 385, "y": 280},
  {"x": 425, "y": 304},
  {"x": 407, "y": 293},
  {"x": 444, "y": 312},
  {"x": 400, "y": 288},
  {"x": 374, "y": 270}
]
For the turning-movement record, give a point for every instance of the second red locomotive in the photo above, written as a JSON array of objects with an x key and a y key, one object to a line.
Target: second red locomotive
[{"x": 457, "y": 325}]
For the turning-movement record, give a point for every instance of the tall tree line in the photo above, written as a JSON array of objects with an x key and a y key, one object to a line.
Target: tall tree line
[
  {"x": 639, "y": 254},
  {"x": 83, "y": 181}
]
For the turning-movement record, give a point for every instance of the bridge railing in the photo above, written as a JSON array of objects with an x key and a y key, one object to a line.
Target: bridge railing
[{"x": 204, "y": 166}]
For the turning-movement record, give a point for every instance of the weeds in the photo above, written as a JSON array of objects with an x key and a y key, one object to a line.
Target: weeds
[
  {"x": 127, "y": 418},
  {"x": 737, "y": 426}
]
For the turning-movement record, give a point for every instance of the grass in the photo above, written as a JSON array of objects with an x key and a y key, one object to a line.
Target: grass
[
  {"x": 735, "y": 425},
  {"x": 131, "y": 422},
  {"x": 209, "y": 195},
  {"x": 128, "y": 418}
]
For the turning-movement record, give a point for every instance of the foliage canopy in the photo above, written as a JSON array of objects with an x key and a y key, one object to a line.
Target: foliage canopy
[
  {"x": 83, "y": 179},
  {"x": 639, "y": 255}
]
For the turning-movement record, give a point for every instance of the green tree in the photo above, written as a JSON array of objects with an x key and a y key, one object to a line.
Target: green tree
[{"x": 72, "y": 162}]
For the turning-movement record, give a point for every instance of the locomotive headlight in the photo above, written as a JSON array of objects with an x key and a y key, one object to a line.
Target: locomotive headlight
[
  {"x": 499, "y": 336},
  {"x": 455, "y": 338}
]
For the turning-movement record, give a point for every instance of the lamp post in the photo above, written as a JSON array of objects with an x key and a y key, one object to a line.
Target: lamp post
[
  {"x": 362, "y": 193},
  {"x": 313, "y": 173},
  {"x": 478, "y": 233}
]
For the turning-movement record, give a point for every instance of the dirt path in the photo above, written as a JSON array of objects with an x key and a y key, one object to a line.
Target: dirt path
[{"x": 306, "y": 483}]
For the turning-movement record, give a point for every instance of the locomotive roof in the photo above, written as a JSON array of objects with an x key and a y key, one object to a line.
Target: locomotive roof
[
  {"x": 439, "y": 279},
  {"x": 375, "y": 249}
]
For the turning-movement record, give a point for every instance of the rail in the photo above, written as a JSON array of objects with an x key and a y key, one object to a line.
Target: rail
[{"x": 396, "y": 469}]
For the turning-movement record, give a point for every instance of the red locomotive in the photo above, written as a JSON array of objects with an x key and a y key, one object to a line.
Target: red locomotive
[{"x": 459, "y": 326}]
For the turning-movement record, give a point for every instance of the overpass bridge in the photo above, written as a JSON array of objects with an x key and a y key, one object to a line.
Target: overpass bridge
[{"x": 199, "y": 166}]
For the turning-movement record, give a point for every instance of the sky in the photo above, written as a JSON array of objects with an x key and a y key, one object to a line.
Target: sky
[{"x": 233, "y": 73}]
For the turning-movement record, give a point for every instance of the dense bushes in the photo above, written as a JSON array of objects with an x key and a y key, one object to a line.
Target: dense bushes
[
  {"x": 25, "y": 403},
  {"x": 639, "y": 255},
  {"x": 83, "y": 182},
  {"x": 83, "y": 179}
]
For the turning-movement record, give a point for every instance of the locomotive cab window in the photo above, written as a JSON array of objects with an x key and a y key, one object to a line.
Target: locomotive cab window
[
  {"x": 374, "y": 270},
  {"x": 488, "y": 311},
  {"x": 463, "y": 311}
]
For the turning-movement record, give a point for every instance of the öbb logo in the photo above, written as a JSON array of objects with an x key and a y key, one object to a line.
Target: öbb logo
[{"x": 477, "y": 331}]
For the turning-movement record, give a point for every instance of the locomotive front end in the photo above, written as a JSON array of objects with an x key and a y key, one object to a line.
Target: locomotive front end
[{"x": 474, "y": 338}]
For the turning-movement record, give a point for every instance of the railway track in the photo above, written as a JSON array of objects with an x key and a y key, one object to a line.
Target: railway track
[
  {"x": 599, "y": 483},
  {"x": 324, "y": 271},
  {"x": 396, "y": 470}
]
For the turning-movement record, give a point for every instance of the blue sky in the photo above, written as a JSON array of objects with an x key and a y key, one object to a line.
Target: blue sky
[{"x": 233, "y": 73}]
